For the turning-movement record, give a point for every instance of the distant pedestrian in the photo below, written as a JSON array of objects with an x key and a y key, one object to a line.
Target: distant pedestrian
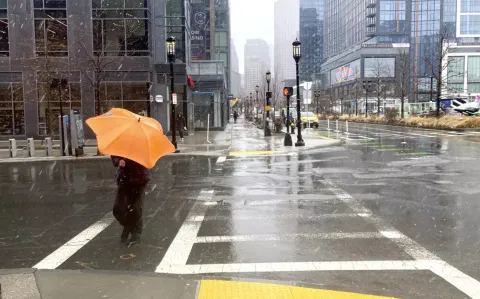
[
  {"x": 182, "y": 125},
  {"x": 132, "y": 179},
  {"x": 235, "y": 116}
]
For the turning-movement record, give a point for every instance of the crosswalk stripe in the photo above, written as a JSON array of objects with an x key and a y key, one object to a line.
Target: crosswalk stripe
[
  {"x": 182, "y": 244},
  {"x": 288, "y": 237},
  {"x": 391, "y": 265},
  {"x": 273, "y": 217},
  {"x": 59, "y": 256},
  {"x": 458, "y": 279}
]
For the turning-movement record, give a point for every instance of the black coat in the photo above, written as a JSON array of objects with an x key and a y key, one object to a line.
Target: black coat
[{"x": 132, "y": 174}]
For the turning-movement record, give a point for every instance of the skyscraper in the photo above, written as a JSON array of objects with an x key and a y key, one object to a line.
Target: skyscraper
[
  {"x": 312, "y": 36},
  {"x": 286, "y": 30},
  {"x": 257, "y": 63}
]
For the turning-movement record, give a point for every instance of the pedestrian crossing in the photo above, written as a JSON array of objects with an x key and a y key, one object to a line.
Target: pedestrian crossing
[{"x": 247, "y": 223}]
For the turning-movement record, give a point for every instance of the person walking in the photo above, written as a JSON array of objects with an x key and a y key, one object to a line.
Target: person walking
[
  {"x": 132, "y": 179},
  {"x": 235, "y": 116},
  {"x": 182, "y": 125}
]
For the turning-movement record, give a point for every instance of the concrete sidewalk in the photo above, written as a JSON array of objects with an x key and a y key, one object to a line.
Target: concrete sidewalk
[
  {"x": 240, "y": 137},
  {"x": 61, "y": 284}
]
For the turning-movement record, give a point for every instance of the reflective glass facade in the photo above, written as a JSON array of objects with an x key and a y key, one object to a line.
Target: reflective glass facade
[
  {"x": 344, "y": 25},
  {"x": 312, "y": 36}
]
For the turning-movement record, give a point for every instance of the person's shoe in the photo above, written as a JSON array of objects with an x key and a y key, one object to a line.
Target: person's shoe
[
  {"x": 124, "y": 236},
  {"x": 135, "y": 238}
]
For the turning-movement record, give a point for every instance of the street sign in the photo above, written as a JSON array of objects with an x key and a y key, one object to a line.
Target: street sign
[
  {"x": 174, "y": 98},
  {"x": 159, "y": 99},
  {"x": 267, "y": 108},
  {"x": 269, "y": 94}
]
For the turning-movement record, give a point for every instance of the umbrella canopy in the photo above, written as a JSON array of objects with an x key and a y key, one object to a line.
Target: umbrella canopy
[{"x": 129, "y": 135}]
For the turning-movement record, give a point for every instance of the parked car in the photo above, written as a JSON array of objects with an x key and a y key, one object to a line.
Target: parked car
[{"x": 309, "y": 119}]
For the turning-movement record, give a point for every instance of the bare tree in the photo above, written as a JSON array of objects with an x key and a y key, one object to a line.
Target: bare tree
[
  {"x": 438, "y": 63},
  {"x": 401, "y": 87},
  {"x": 357, "y": 91},
  {"x": 377, "y": 77},
  {"x": 94, "y": 68}
]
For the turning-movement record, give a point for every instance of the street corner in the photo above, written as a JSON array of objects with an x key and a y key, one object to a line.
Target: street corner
[{"x": 222, "y": 289}]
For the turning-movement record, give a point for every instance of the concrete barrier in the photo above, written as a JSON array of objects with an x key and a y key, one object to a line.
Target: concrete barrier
[
  {"x": 31, "y": 147},
  {"x": 12, "y": 148},
  {"x": 48, "y": 147}
]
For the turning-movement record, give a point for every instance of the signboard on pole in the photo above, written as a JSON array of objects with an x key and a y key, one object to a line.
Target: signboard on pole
[{"x": 174, "y": 98}]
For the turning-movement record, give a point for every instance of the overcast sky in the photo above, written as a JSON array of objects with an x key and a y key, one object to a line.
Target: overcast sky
[{"x": 251, "y": 19}]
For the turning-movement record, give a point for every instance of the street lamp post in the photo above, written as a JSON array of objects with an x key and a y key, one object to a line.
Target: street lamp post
[
  {"x": 366, "y": 86},
  {"x": 317, "y": 96},
  {"x": 267, "y": 130},
  {"x": 257, "y": 89},
  {"x": 251, "y": 106},
  {"x": 297, "y": 55},
  {"x": 171, "y": 59}
]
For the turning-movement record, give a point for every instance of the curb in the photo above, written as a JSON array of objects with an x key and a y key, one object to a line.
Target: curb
[{"x": 410, "y": 126}]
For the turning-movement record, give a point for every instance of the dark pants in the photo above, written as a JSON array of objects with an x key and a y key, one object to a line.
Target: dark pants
[
  {"x": 128, "y": 207},
  {"x": 181, "y": 132}
]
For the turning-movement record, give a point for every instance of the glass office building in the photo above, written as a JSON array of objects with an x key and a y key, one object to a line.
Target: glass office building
[{"x": 311, "y": 36}]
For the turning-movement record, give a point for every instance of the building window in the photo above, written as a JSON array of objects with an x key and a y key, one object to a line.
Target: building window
[
  {"x": 470, "y": 24},
  {"x": 473, "y": 74},
  {"x": 53, "y": 93},
  {"x": 51, "y": 27},
  {"x": 121, "y": 27},
  {"x": 4, "y": 45},
  {"x": 12, "y": 112},
  {"x": 130, "y": 91}
]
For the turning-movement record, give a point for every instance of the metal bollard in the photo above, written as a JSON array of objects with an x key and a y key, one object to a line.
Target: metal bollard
[
  {"x": 336, "y": 125},
  {"x": 48, "y": 147},
  {"x": 30, "y": 147},
  {"x": 328, "y": 124},
  {"x": 346, "y": 125},
  {"x": 12, "y": 148}
]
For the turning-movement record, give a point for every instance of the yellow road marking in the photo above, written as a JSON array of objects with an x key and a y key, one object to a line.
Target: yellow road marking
[
  {"x": 218, "y": 289},
  {"x": 254, "y": 153}
]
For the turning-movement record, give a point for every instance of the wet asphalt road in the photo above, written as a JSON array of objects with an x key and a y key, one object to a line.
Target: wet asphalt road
[{"x": 389, "y": 194}]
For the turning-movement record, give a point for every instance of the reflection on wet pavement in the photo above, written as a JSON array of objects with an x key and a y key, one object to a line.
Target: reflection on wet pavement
[{"x": 393, "y": 212}]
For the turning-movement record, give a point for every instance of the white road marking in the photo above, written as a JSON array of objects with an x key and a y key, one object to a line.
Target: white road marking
[
  {"x": 288, "y": 237},
  {"x": 221, "y": 160},
  {"x": 460, "y": 280},
  {"x": 182, "y": 244},
  {"x": 275, "y": 217},
  {"x": 303, "y": 267},
  {"x": 59, "y": 256}
]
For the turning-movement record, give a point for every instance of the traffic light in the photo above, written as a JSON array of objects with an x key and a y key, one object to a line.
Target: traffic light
[{"x": 288, "y": 91}]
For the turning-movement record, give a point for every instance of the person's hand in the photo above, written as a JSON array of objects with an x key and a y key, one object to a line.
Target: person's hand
[{"x": 121, "y": 163}]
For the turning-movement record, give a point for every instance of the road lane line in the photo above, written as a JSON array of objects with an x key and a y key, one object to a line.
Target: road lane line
[
  {"x": 181, "y": 246},
  {"x": 59, "y": 256},
  {"x": 289, "y": 237},
  {"x": 458, "y": 279},
  {"x": 221, "y": 160},
  {"x": 395, "y": 265},
  {"x": 275, "y": 217}
]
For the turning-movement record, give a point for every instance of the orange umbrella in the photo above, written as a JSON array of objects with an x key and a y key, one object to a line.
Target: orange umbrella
[{"x": 129, "y": 135}]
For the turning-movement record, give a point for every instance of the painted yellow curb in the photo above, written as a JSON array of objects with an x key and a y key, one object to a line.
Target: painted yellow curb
[
  {"x": 254, "y": 153},
  {"x": 219, "y": 289}
]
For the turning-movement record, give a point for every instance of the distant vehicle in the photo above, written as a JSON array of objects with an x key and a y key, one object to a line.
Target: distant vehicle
[
  {"x": 468, "y": 109},
  {"x": 309, "y": 119}
]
